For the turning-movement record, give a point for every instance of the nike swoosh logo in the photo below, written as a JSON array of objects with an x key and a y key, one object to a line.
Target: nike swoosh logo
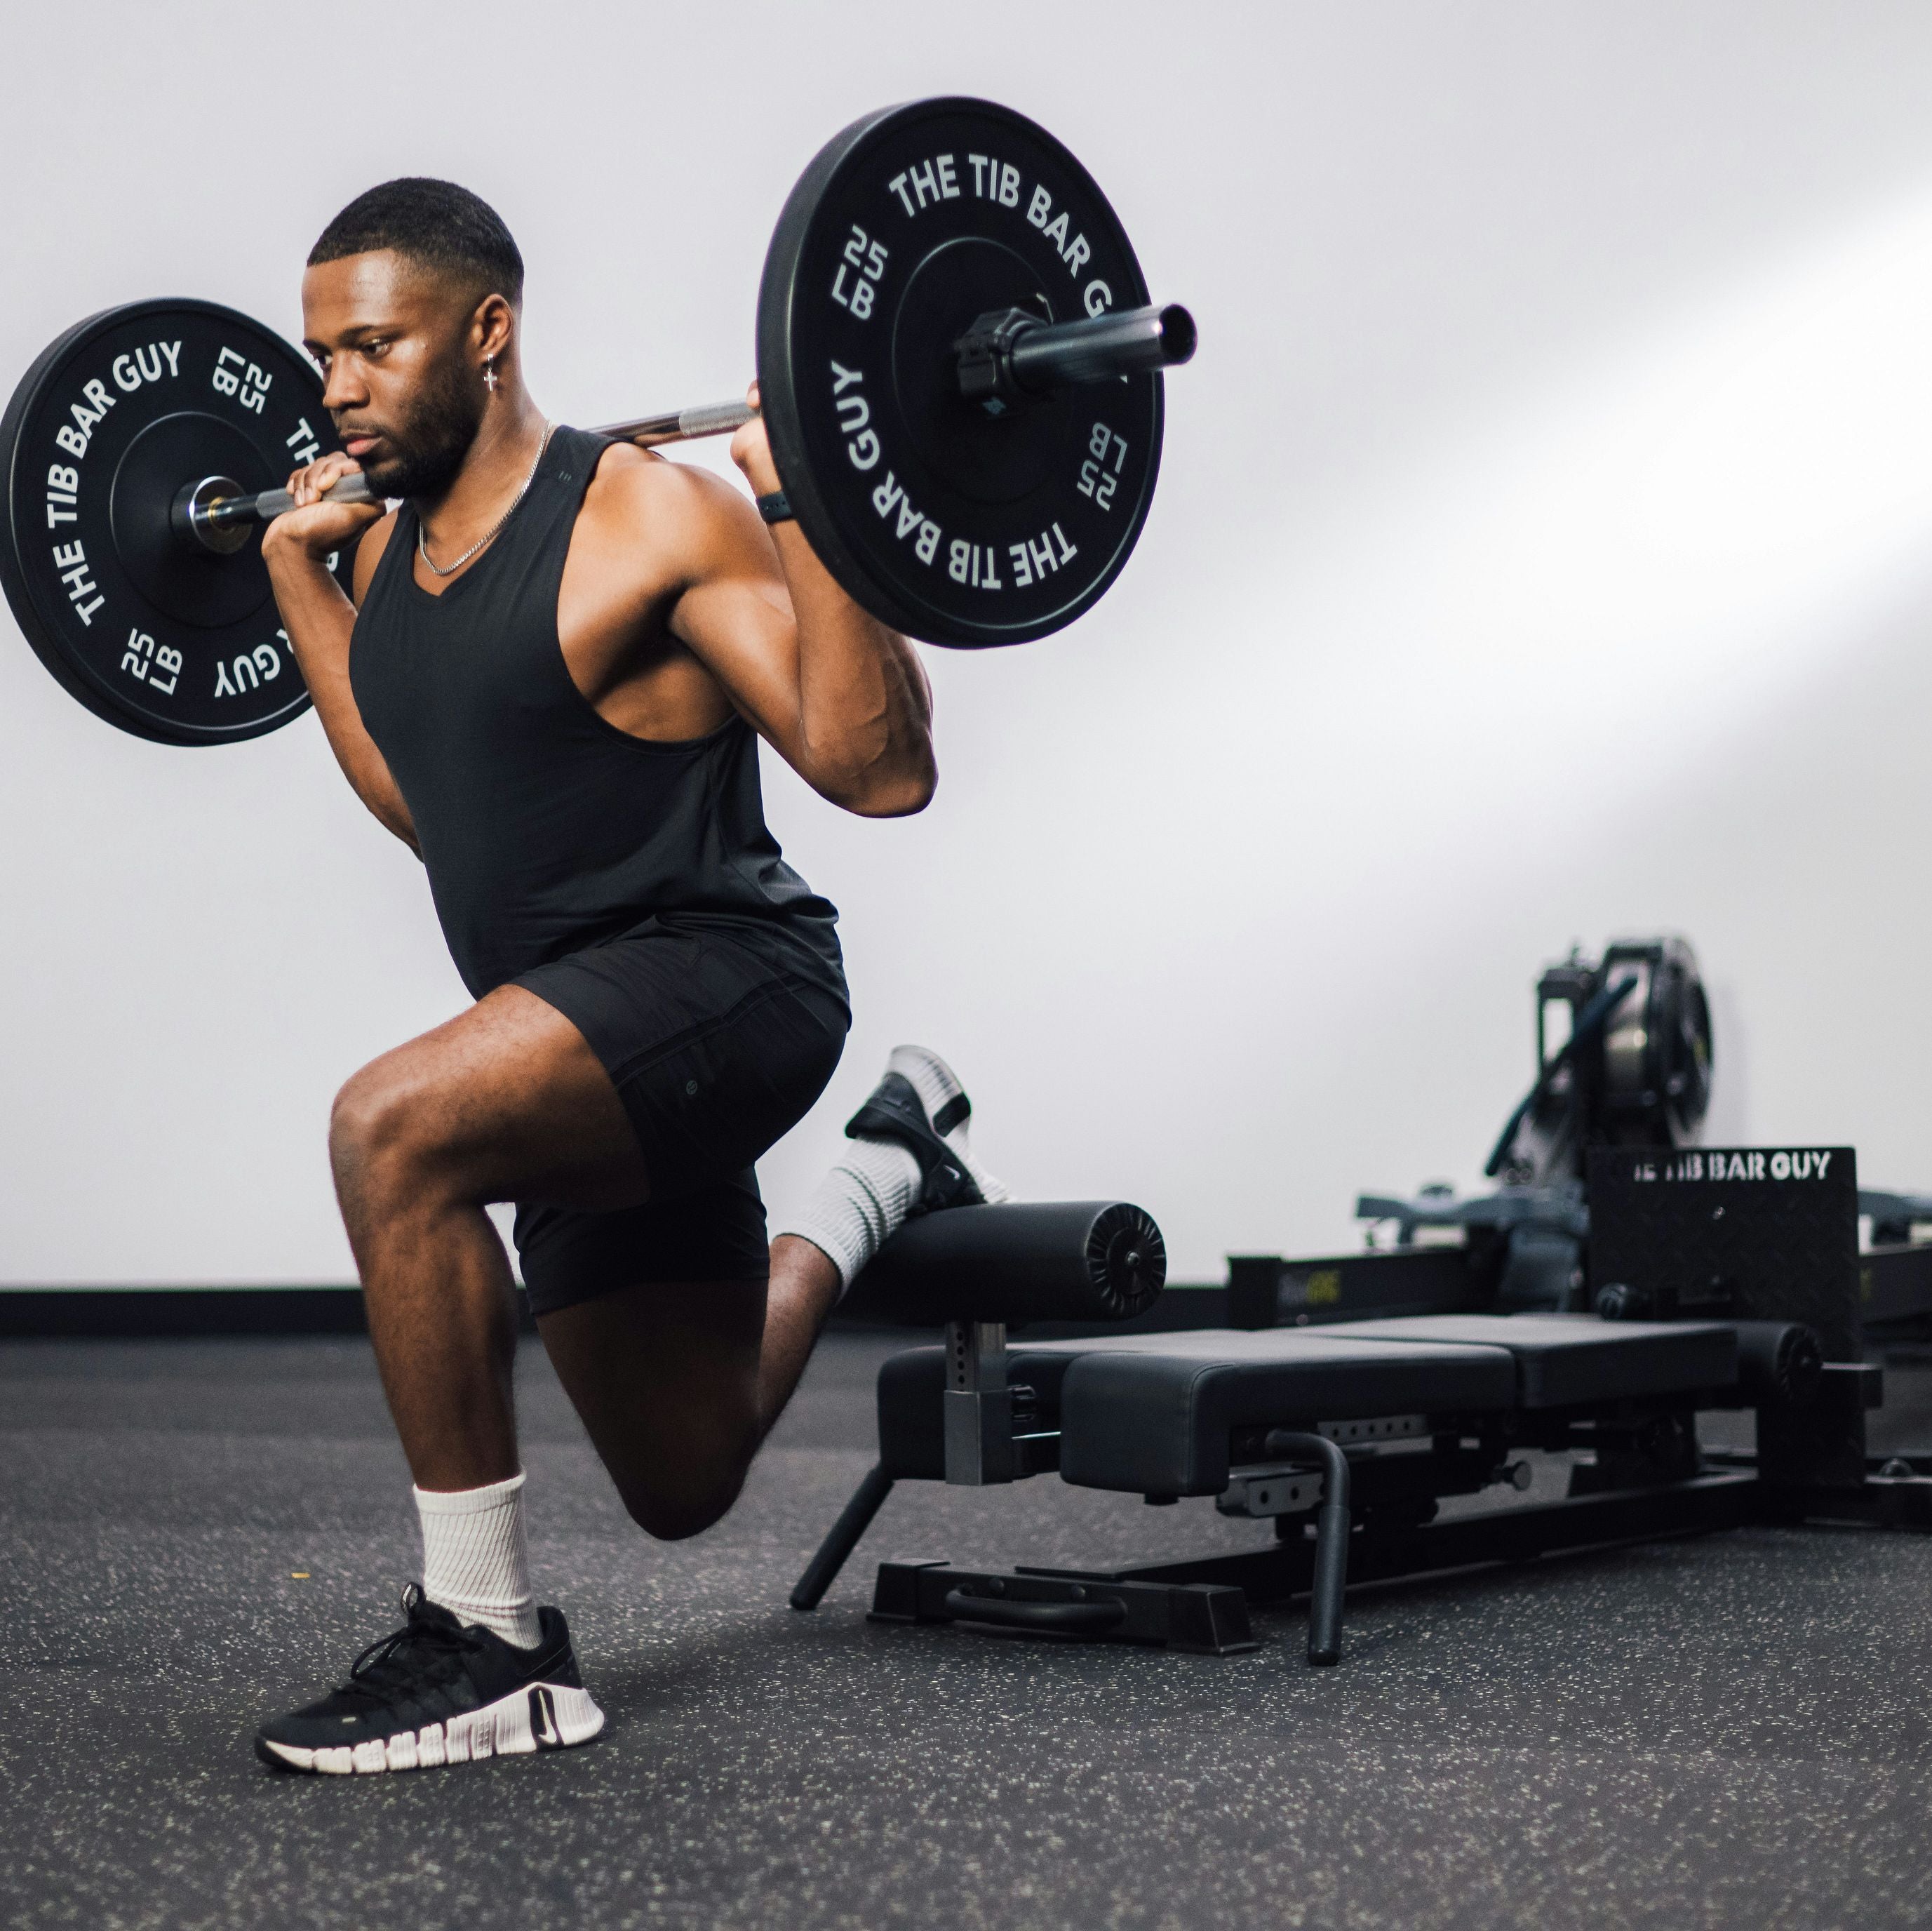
[{"x": 543, "y": 1719}]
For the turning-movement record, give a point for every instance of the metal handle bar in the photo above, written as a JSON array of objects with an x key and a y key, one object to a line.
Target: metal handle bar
[
  {"x": 1331, "y": 1540},
  {"x": 1015, "y": 1613}
]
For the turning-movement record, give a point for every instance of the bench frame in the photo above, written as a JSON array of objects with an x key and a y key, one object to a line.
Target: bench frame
[{"x": 1345, "y": 1511}]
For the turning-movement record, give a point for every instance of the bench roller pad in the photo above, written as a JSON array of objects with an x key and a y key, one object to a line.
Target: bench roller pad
[
  {"x": 1565, "y": 1361},
  {"x": 1022, "y": 1260},
  {"x": 1151, "y": 1414}
]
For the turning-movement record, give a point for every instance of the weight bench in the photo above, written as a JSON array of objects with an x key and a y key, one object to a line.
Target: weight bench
[{"x": 1346, "y": 1437}]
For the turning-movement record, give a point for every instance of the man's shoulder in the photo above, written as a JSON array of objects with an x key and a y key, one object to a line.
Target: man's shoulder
[{"x": 639, "y": 496}]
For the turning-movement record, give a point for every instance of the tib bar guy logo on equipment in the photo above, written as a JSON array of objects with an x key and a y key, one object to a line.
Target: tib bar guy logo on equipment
[{"x": 1797, "y": 1163}]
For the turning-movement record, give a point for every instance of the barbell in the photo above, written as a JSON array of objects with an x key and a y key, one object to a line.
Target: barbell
[
  {"x": 1004, "y": 359},
  {"x": 959, "y": 367}
]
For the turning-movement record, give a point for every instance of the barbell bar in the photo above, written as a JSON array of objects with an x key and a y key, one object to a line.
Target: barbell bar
[{"x": 1003, "y": 360}]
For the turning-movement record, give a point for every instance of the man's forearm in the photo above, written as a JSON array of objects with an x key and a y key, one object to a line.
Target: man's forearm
[
  {"x": 320, "y": 620},
  {"x": 865, "y": 707}
]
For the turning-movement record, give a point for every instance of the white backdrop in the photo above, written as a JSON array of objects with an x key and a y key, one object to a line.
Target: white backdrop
[{"x": 1541, "y": 555}]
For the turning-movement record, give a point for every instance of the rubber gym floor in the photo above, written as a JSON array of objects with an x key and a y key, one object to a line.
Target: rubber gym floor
[{"x": 1729, "y": 1732}]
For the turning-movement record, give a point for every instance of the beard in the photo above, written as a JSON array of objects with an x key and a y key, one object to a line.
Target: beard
[{"x": 428, "y": 447}]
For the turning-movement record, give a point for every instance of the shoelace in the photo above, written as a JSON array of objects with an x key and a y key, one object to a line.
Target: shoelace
[{"x": 384, "y": 1665}]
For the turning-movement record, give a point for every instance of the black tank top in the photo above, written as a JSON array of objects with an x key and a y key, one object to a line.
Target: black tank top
[{"x": 543, "y": 828}]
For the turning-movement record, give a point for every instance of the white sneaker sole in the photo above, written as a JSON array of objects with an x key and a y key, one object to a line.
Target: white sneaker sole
[{"x": 540, "y": 1716}]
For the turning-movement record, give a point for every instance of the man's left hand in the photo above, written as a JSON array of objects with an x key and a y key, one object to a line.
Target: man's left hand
[{"x": 752, "y": 450}]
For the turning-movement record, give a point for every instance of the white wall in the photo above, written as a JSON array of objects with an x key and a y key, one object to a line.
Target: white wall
[{"x": 1540, "y": 556}]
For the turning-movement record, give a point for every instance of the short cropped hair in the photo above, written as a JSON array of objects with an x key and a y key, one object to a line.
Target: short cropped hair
[{"x": 436, "y": 223}]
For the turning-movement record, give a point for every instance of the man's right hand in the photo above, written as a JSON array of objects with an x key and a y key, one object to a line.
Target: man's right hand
[{"x": 316, "y": 529}]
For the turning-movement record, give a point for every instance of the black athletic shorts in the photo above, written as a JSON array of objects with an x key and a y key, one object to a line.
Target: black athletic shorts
[{"x": 718, "y": 1041}]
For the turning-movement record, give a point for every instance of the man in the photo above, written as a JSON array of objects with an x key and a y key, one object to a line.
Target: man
[{"x": 549, "y": 681}]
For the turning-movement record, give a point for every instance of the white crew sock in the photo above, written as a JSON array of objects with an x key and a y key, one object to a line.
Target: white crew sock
[
  {"x": 870, "y": 1194},
  {"x": 859, "y": 1205},
  {"x": 476, "y": 1563}
]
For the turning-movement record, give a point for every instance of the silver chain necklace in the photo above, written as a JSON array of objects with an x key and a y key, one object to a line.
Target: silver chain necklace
[{"x": 490, "y": 536}]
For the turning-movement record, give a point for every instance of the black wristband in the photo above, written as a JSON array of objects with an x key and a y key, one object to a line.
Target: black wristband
[{"x": 774, "y": 508}]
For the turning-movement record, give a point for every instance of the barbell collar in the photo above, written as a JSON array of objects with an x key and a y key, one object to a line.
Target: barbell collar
[
  {"x": 1009, "y": 355},
  {"x": 192, "y": 514}
]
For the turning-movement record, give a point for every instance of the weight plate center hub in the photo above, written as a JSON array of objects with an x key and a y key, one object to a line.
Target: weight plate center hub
[
  {"x": 193, "y": 585},
  {"x": 990, "y": 459}
]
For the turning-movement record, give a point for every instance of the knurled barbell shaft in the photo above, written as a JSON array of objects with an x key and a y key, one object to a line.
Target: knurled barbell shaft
[
  {"x": 1050, "y": 356},
  {"x": 681, "y": 426}
]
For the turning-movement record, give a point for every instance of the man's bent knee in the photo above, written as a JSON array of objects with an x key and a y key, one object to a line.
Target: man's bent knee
[
  {"x": 673, "y": 1512},
  {"x": 673, "y": 1496},
  {"x": 382, "y": 1134}
]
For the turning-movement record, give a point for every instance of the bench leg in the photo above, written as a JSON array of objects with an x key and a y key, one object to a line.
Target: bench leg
[
  {"x": 1331, "y": 1542},
  {"x": 823, "y": 1570}
]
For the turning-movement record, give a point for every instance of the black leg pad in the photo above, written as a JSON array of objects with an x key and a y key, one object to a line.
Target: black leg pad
[{"x": 1022, "y": 1260}]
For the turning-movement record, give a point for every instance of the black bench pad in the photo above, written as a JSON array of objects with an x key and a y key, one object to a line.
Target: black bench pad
[
  {"x": 1165, "y": 1402},
  {"x": 1152, "y": 1413},
  {"x": 1565, "y": 1361}
]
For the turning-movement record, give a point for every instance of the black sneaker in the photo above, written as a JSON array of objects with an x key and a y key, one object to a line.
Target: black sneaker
[
  {"x": 894, "y": 1112},
  {"x": 437, "y": 1692}
]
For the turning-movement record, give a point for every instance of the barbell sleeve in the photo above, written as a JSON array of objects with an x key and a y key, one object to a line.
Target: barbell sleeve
[
  {"x": 224, "y": 512},
  {"x": 1039, "y": 357},
  {"x": 1058, "y": 354}
]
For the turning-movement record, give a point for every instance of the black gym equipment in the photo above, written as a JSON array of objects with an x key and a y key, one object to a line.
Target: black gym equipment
[
  {"x": 1635, "y": 1070},
  {"x": 1625, "y": 1058},
  {"x": 958, "y": 367},
  {"x": 1349, "y": 1397},
  {"x": 1078, "y": 1260},
  {"x": 1624, "y": 1055}
]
